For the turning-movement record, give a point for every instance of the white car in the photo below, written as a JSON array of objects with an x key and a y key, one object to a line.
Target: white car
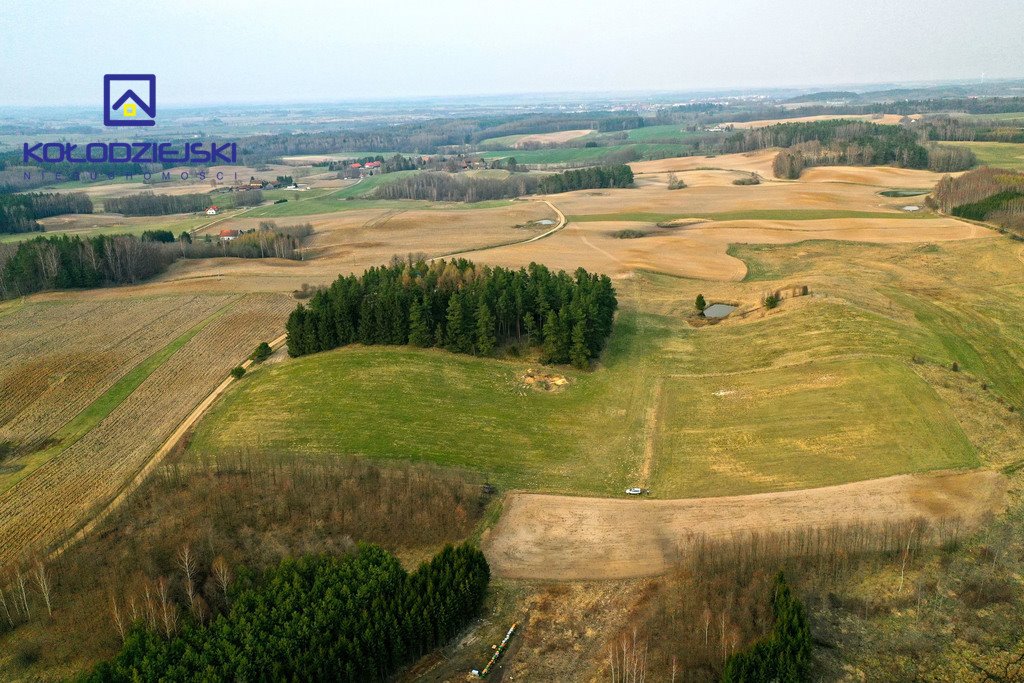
[{"x": 635, "y": 491}]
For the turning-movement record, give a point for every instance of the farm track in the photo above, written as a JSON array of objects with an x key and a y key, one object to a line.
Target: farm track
[{"x": 57, "y": 497}]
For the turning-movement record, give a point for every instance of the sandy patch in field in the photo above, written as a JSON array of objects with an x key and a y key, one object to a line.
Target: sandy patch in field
[
  {"x": 878, "y": 176},
  {"x": 565, "y": 537},
  {"x": 885, "y": 119},
  {"x": 551, "y": 138},
  {"x": 754, "y": 162}
]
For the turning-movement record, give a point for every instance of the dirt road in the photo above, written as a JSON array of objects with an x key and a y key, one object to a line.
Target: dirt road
[{"x": 565, "y": 537}]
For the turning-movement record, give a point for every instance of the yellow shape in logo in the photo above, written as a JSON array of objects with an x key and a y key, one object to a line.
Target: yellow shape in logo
[{"x": 128, "y": 109}]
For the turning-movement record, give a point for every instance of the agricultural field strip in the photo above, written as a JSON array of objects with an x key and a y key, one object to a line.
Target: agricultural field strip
[
  {"x": 87, "y": 358},
  {"x": 102, "y": 405},
  {"x": 752, "y": 214},
  {"x": 41, "y": 509},
  {"x": 172, "y": 441}
]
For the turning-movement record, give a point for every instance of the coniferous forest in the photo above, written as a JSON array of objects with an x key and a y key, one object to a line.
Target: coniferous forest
[
  {"x": 462, "y": 307},
  {"x": 317, "y": 618}
]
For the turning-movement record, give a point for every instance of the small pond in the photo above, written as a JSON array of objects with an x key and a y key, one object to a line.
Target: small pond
[{"x": 718, "y": 310}]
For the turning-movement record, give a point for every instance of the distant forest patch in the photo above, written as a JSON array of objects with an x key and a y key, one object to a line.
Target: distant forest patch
[{"x": 445, "y": 187}]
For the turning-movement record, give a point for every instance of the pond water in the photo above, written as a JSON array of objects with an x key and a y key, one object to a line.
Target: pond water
[{"x": 718, "y": 310}]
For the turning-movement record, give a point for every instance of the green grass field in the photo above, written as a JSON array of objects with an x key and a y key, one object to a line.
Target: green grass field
[
  {"x": 802, "y": 427},
  {"x": 835, "y": 387},
  {"x": 1001, "y": 154},
  {"x": 667, "y": 133}
]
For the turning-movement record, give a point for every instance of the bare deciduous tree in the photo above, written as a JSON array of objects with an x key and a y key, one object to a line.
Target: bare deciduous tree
[
  {"x": 115, "y": 613},
  {"x": 222, "y": 574},
  {"x": 168, "y": 612},
  {"x": 20, "y": 578},
  {"x": 187, "y": 563},
  {"x": 3, "y": 606},
  {"x": 43, "y": 581}
]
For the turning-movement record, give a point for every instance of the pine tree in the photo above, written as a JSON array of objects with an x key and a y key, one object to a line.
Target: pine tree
[
  {"x": 485, "y": 340},
  {"x": 419, "y": 329},
  {"x": 579, "y": 356},
  {"x": 455, "y": 337},
  {"x": 549, "y": 350},
  {"x": 700, "y": 303}
]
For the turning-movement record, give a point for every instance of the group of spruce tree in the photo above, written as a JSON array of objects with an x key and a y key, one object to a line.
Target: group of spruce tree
[
  {"x": 317, "y": 618},
  {"x": 783, "y": 655},
  {"x": 19, "y": 212},
  {"x": 449, "y": 187},
  {"x": 461, "y": 307}
]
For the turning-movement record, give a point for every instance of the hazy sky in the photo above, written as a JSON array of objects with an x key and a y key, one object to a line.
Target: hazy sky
[{"x": 210, "y": 51}]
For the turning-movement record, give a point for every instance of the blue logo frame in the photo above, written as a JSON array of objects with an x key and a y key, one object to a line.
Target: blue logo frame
[{"x": 147, "y": 104}]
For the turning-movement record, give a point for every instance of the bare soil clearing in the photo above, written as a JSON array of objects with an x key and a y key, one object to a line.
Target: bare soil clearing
[{"x": 574, "y": 538}]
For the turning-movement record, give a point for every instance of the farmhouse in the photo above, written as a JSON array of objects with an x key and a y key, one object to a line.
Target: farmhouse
[
  {"x": 212, "y": 211},
  {"x": 228, "y": 235}
]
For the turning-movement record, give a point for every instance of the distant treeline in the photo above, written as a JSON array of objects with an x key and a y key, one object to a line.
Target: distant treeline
[
  {"x": 446, "y": 187},
  {"x": 63, "y": 262},
  {"x": 986, "y": 194},
  {"x": 317, "y": 618},
  {"x": 149, "y": 204},
  {"x": 18, "y": 212},
  {"x": 844, "y": 142},
  {"x": 73, "y": 262},
  {"x": 461, "y": 307}
]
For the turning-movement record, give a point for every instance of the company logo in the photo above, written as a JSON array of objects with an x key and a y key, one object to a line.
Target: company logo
[
  {"x": 123, "y": 105},
  {"x": 130, "y": 100}
]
